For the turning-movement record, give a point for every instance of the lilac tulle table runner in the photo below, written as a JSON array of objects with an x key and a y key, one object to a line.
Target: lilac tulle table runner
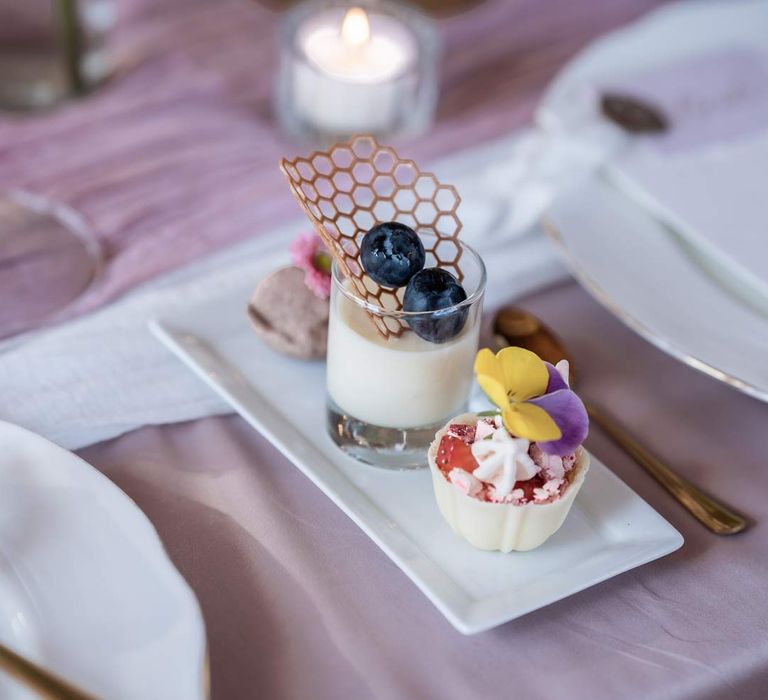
[
  {"x": 176, "y": 155},
  {"x": 174, "y": 158}
]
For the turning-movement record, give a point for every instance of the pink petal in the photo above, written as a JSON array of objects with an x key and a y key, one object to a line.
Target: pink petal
[{"x": 303, "y": 250}]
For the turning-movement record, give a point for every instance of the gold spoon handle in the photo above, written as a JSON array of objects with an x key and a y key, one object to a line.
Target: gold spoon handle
[
  {"x": 707, "y": 510},
  {"x": 35, "y": 677}
]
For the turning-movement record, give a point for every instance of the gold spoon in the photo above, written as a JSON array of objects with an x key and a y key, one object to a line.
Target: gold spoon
[{"x": 515, "y": 326}]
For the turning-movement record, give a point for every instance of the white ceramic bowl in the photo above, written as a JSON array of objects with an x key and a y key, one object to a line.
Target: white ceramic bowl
[{"x": 502, "y": 526}]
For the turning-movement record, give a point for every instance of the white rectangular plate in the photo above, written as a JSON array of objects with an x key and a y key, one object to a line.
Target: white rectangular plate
[{"x": 609, "y": 530}]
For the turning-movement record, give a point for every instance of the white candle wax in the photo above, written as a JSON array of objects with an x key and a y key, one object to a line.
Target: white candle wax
[{"x": 353, "y": 72}]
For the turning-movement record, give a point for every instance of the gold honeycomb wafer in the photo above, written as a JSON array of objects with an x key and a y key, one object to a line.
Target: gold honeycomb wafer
[{"x": 350, "y": 188}]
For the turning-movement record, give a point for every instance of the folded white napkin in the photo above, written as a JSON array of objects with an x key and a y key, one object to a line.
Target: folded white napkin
[{"x": 104, "y": 374}]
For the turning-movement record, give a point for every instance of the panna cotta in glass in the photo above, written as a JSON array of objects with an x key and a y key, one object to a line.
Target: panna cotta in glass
[{"x": 387, "y": 395}]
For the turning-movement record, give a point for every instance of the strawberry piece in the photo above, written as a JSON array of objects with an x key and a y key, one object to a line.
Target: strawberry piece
[
  {"x": 536, "y": 482},
  {"x": 455, "y": 453},
  {"x": 464, "y": 432}
]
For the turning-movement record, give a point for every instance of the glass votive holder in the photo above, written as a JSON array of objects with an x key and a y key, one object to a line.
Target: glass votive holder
[
  {"x": 51, "y": 50},
  {"x": 370, "y": 68},
  {"x": 387, "y": 397}
]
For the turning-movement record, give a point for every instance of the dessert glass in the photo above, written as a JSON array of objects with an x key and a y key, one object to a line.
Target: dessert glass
[{"x": 386, "y": 397}]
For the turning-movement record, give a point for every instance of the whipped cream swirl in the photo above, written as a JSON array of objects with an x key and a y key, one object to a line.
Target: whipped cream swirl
[{"x": 502, "y": 461}]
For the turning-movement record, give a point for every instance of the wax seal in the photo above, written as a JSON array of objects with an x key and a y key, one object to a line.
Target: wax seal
[{"x": 633, "y": 115}]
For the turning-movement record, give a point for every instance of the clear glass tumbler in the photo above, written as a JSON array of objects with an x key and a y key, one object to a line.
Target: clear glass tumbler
[
  {"x": 386, "y": 397},
  {"x": 49, "y": 256}
]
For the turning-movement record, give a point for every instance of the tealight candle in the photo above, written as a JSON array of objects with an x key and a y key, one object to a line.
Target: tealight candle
[{"x": 351, "y": 69}]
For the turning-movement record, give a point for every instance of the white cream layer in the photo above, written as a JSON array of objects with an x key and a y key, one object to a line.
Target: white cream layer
[{"x": 403, "y": 382}]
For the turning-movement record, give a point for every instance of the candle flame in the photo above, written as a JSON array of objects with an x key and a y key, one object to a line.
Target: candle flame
[{"x": 355, "y": 29}]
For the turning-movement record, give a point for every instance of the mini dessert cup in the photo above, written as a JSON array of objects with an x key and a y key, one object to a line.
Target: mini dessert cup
[
  {"x": 388, "y": 395},
  {"x": 501, "y": 526}
]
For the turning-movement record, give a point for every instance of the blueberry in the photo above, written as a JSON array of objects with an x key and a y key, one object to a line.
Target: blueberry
[
  {"x": 434, "y": 289},
  {"x": 391, "y": 254}
]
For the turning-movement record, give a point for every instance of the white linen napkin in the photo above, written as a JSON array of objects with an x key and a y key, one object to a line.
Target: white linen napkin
[{"x": 104, "y": 374}]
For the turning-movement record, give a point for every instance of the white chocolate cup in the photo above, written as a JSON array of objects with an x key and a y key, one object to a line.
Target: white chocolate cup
[{"x": 502, "y": 526}]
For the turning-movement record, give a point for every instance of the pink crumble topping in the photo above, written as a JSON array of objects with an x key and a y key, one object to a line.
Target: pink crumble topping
[
  {"x": 484, "y": 429},
  {"x": 549, "y": 492},
  {"x": 552, "y": 466},
  {"x": 546, "y": 486},
  {"x": 465, "y": 482},
  {"x": 516, "y": 496}
]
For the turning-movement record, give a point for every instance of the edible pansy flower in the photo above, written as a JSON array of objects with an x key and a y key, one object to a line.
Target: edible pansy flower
[
  {"x": 310, "y": 255},
  {"x": 566, "y": 409},
  {"x": 510, "y": 378},
  {"x": 534, "y": 399}
]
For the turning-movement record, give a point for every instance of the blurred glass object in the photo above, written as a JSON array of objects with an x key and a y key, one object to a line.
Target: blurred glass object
[
  {"x": 48, "y": 258},
  {"x": 345, "y": 69},
  {"x": 52, "y": 49}
]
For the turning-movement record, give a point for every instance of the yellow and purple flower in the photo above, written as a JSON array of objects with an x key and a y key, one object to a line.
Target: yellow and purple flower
[{"x": 534, "y": 399}]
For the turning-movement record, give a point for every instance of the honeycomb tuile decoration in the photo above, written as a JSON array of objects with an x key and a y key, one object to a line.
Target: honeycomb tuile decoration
[{"x": 350, "y": 188}]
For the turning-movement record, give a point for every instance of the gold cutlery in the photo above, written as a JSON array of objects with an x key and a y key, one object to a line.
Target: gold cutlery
[
  {"x": 42, "y": 681},
  {"x": 515, "y": 326}
]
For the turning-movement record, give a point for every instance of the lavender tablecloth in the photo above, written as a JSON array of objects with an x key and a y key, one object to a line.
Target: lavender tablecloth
[
  {"x": 299, "y": 603},
  {"x": 176, "y": 158}
]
